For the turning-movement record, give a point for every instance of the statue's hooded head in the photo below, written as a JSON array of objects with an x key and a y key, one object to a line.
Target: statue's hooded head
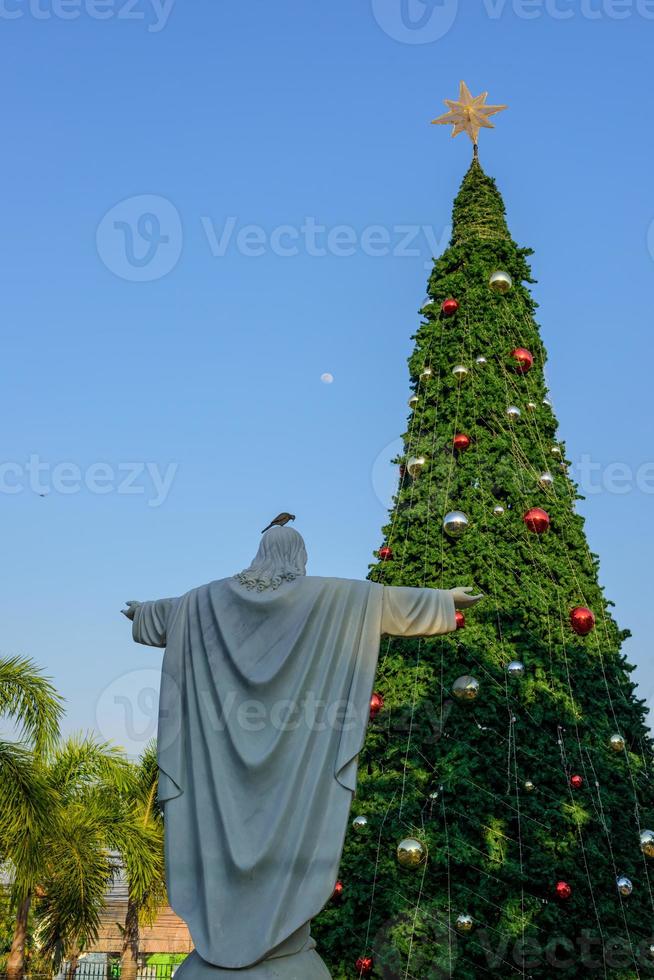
[{"x": 281, "y": 557}]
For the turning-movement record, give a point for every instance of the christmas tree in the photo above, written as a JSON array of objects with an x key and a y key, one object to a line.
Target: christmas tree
[{"x": 501, "y": 822}]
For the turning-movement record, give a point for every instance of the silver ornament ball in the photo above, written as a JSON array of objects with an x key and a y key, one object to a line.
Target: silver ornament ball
[
  {"x": 616, "y": 742},
  {"x": 513, "y": 412},
  {"x": 411, "y": 853},
  {"x": 464, "y": 923},
  {"x": 516, "y": 669},
  {"x": 460, "y": 372},
  {"x": 465, "y": 688},
  {"x": 413, "y": 401},
  {"x": 498, "y": 510},
  {"x": 360, "y": 825},
  {"x": 426, "y": 374},
  {"x": 529, "y": 787},
  {"x": 545, "y": 480},
  {"x": 624, "y": 885},
  {"x": 500, "y": 282},
  {"x": 455, "y": 523},
  {"x": 647, "y": 843},
  {"x": 414, "y": 465},
  {"x": 481, "y": 360},
  {"x": 532, "y": 406}
]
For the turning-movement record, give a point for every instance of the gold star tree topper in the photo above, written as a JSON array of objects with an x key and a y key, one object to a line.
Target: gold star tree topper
[{"x": 469, "y": 114}]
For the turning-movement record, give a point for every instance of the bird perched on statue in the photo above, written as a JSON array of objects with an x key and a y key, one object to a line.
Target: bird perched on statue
[{"x": 280, "y": 521}]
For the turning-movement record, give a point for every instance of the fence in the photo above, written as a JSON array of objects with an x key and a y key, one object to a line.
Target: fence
[{"x": 109, "y": 970}]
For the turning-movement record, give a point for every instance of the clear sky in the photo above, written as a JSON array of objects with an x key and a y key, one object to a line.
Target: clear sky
[{"x": 176, "y": 278}]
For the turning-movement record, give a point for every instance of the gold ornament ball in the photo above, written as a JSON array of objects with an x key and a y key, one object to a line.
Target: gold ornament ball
[
  {"x": 465, "y": 688},
  {"x": 529, "y": 787},
  {"x": 647, "y": 843},
  {"x": 616, "y": 742},
  {"x": 360, "y": 825},
  {"x": 532, "y": 406},
  {"x": 411, "y": 853},
  {"x": 413, "y": 401},
  {"x": 414, "y": 465},
  {"x": 500, "y": 282},
  {"x": 464, "y": 924},
  {"x": 455, "y": 523}
]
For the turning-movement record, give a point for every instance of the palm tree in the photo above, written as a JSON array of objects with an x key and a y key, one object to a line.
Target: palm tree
[
  {"x": 109, "y": 822},
  {"x": 142, "y": 855},
  {"x": 70, "y": 816},
  {"x": 76, "y": 854},
  {"x": 30, "y": 702}
]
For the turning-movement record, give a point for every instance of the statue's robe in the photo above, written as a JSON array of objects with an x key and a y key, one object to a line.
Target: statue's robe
[{"x": 263, "y": 711}]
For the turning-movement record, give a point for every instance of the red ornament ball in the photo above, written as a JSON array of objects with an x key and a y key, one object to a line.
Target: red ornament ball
[
  {"x": 524, "y": 359},
  {"x": 461, "y": 442},
  {"x": 563, "y": 890},
  {"x": 338, "y": 890},
  {"x": 364, "y": 966},
  {"x": 576, "y": 782},
  {"x": 460, "y": 619},
  {"x": 537, "y": 520},
  {"x": 582, "y": 620},
  {"x": 385, "y": 553},
  {"x": 376, "y": 704},
  {"x": 449, "y": 307}
]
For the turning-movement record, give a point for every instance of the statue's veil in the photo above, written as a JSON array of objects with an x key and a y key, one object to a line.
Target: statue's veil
[{"x": 282, "y": 556}]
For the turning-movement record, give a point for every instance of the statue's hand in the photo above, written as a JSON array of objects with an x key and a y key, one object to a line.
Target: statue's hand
[
  {"x": 463, "y": 598},
  {"x": 130, "y": 612}
]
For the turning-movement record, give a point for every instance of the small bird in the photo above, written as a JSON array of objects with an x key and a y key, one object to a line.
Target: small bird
[{"x": 280, "y": 521}]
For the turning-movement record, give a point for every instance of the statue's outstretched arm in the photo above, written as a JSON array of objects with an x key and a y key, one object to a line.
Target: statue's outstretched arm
[
  {"x": 149, "y": 620},
  {"x": 130, "y": 611},
  {"x": 408, "y": 611},
  {"x": 462, "y": 597}
]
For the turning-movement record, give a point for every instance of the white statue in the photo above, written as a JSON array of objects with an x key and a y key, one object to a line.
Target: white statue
[{"x": 265, "y": 698}]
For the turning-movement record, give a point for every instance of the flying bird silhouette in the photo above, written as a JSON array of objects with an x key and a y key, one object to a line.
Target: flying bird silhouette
[{"x": 280, "y": 521}]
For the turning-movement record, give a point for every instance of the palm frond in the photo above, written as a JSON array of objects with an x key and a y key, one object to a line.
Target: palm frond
[
  {"x": 77, "y": 874},
  {"x": 27, "y": 803},
  {"x": 83, "y": 762},
  {"x": 30, "y": 700}
]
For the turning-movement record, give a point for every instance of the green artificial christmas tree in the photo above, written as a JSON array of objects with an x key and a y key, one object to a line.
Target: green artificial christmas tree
[{"x": 510, "y": 759}]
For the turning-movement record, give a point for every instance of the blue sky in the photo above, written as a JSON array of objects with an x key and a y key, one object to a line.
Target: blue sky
[{"x": 212, "y": 137}]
